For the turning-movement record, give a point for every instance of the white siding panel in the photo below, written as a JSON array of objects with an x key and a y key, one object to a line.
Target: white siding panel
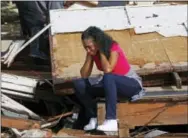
[
  {"x": 167, "y": 20},
  {"x": 64, "y": 21}
]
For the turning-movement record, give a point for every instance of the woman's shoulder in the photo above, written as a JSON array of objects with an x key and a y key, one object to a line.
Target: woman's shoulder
[{"x": 115, "y": 46}]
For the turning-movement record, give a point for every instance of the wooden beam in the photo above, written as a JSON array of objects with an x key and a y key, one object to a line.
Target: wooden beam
[
  {"x": 18, "y": 123},
  {"x": 177, "y": 80}
]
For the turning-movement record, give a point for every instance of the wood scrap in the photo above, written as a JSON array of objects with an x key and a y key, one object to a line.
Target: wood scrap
[
  {"x": 60, "y": 116},
  {"x": 177, "y": 80},
  {"x": 10, "y": 104},
  {"x": 18, "y": 80},
  {"x": 11, "y": 58},
  {"x": 14, "y": 46},
  {"x": 9, "y": 113},
  {"x": 17, "y": 46},
  {"x": 18, "y": 123},
  {"x": 16, "y": 87},
  {"x": 53, "y": 121}
]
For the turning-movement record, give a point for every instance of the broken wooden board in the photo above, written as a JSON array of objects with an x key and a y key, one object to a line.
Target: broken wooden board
[
  {"x": 148, "y": 53},
  {"x": 160, "y": 57},
  {"x": 12, "y": 105},
  {"x": 147, "y": 114}
]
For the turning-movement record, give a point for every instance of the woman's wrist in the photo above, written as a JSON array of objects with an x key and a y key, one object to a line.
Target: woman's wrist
[{"x": 101, "y": 54}]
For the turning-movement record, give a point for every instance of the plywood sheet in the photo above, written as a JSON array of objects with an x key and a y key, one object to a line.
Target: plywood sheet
[{"x": 149, "y": 53}]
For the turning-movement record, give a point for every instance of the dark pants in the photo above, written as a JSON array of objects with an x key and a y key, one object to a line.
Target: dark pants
[
  {"x": 39, "y": 48},
  {"x": 111, "y": 87}
]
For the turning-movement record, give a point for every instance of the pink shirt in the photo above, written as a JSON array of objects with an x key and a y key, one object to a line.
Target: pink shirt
[{"x": 122, "y": 67}]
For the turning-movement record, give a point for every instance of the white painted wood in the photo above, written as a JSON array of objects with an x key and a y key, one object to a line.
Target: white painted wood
[
  {"x": 14, "y": 93},
  {"x": 164, "y": 19},
  {"x": 11, "y": 58},
  {"x": 167, "y": 20},
  {"x": 18, "y": 80},
  {"x": 9, "y": 50},
  {"x": 106, "y": 18},
  {"x": 5, "y": 45},
  {"x": 13, "y": 114},
  {"x": 16, "y": 132},
  {"x": 16, "y": 87},
  {"x": 17, "y": 45},
  {"x": 9, "y": 103}
]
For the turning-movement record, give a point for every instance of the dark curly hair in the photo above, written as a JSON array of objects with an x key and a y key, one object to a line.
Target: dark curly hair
[{"x": 102, "y": 40}]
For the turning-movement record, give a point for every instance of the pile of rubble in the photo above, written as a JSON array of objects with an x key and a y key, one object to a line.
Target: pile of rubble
[
  {"x": 30, "y": 107},
  {"x": 20, "y": 121}
]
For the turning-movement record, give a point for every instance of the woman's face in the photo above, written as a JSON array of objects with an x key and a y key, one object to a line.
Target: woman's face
[{"x": 90, "y": 46}]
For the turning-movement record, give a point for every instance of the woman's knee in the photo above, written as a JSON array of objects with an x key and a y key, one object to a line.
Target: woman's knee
[
  {"x": 108, "y": 77},
  {"x": 79, "y": 83},
  {"x": 79, "y": 86}
]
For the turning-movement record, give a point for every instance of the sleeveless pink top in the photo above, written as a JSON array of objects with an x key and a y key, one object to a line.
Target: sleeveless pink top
[{"x": 122, "y": 67}]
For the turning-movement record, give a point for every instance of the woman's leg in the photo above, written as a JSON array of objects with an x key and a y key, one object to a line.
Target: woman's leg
[
  {"x": 81, "y": 87},
  {"x": 114, "y": 85},
  {"x": 86, "y": 95}
]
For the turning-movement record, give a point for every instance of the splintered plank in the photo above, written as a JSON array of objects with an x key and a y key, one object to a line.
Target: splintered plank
[{"x": 18, "y": 123}]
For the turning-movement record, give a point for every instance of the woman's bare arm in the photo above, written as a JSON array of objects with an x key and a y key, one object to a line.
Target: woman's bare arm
[
  {"x": 108, "y": 65},
  {"x": 87, "y": 67}
]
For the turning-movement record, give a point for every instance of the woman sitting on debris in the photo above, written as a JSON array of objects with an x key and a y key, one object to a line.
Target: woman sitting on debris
[{"x": 118, "y": 79}]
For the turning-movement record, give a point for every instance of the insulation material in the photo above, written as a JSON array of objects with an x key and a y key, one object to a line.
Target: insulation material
[
  {"x": 67, "y": 20},
  {"x": 158, "y": 18},
  {"x": 147, "y": 53}
]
